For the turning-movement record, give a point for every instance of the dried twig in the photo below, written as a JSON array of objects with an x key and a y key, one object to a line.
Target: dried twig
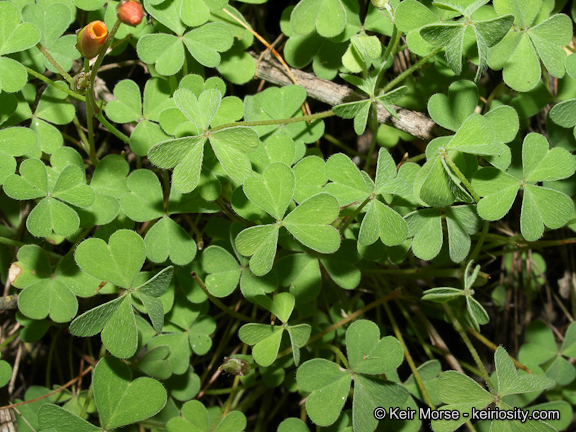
[{"x": 412, "y": 122}]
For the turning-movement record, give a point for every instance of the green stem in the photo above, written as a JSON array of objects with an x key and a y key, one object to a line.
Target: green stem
[
  {"x": 410, "y": 70},
  {"x": 87, "y": 402},
  {"x": 374, "y": 126},
  {"x": 82, "y": 135},
  {"x": 55, "y": 84},
  {"x": 89, "y": 119},
  {"x": 111, "y": 128},
  {"x": 309, "y": 118},
  {"x": 409, "y": 358},
  {"x": 481, "y": 240},
  {"x": 11, "y": 337},
  {"x": 470, "y": 346},
  {"x": 218, "y": 303},
  {"x": 417, "y": 158},
  {"x": 10, "y": 242},
  {"x": 356, "y": 213},
  {"x": 462, "y": 178},
  {"x": 333, "y": 140},
  {"x": 396, "y": 35},
  {"x": 54, "y": 63}
]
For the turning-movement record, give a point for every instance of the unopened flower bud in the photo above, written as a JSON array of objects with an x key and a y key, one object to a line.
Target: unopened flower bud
[
  {"x": 235, "y": 366},
  {"x": 130, "y": 12},
  {"x": 380, "y": 4},
  {"x": 91, "y": 39}
]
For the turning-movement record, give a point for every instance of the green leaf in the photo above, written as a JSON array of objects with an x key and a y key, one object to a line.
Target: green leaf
[
  {"x": 33, "y": 266},
  {"x": 109, "y": 177},
  {"x": 540, "y": 345},
  {"x": 309, "y": 223},
  {"x": 144, "y": 202},
  {"x": 48, "y": 297},
  {"x": 328, "y": 17},
  {"x": 564, "y": 113},
  {"x": 348, "y": 184},
  {"x": 548, "y": 38},
  {"x": 433, "y": 185},
  {"x": 368, "y": 353},
  {"x": 342, "y": 265},
  {"x": 89, "y": 5},
  {"x": 155, "y": 364},
  {"x": 266, "y": 340},
  {"x": 499, "y": 190},
  {"x": 158, "y": 284},
  {"x": 195, "y": 417},
  {"x": 543, "y": 206},
  {"x": 509, "y": 382},
  {"x": 476, "y": 315},
  {"x": 520, "y": 51},
  {"x": 361, "y": 50},
  {"x": 223, "y": 271},
  {"x": 442, "y": 295},
  {"x": 426, "y": 227},
  {"x": 384, "y": 223},
  {"x": 51, "y": 215},
  {"x": 120, "y": 334},
  {"x": 117, "y": 262},
  {"x": 230, "y": 146},
  {"x": 359, "y": 111},
  {"x": 280, "y": 103},
  {"x": 200, "y": 111},
  {"x": 53, "y": 107},
  {"x": 5, "y": 373},
  {"x": 299, "y": 335},
  {"x": 372, "y": 392},
  {"x": 569, "y": 345},
  {"x": 117, "y": 396},
  {"x": 31, "y": 183},
  {"x": 185, "y": 156},
  {"x": 168, "y": 240},
  {"x": 273, "y": 191},
  {"x": 329, "y": 387},
  {"x": 292, "y": 424},
  {"x": 128, "y": 104},
  {"x": 206, "y": 42},
  {"x": 462, "y": 222},
  {"x": 281, "y": 305},
  {"x": 259, "y": 242},
  {"x": 168, "y": 14},
  {"x": 452, "y": 110},
  {"x": 460, "y": 393},
  {"x": 50, "y": 415},
  {"x": 524, "y": 12},
  {"x": 165, "y": 51},
  {"x": 310, "y": 177},
  {"x": 516, "y": 55},
  {"x": 15, "y": 36},
  {"x": 13, "y": 75},
  {"x": 70, "y": 187},
  {"x": 115, "y": 320},
  {"x": 450, "y": 36},
  {"x": 542, "y": 164},
  {"x": 300, "y": 272}
]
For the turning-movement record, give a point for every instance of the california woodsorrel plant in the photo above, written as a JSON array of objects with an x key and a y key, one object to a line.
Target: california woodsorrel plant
[{"x": 287, "y": 215}]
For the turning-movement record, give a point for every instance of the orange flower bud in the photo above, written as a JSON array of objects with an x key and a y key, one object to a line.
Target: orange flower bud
[
  {"x": 130, "y": 12},
  {"x": 91, "y": 39}
]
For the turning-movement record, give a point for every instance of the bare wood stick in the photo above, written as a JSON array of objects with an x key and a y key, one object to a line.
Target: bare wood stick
[{"x": 412, "y": 122}]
